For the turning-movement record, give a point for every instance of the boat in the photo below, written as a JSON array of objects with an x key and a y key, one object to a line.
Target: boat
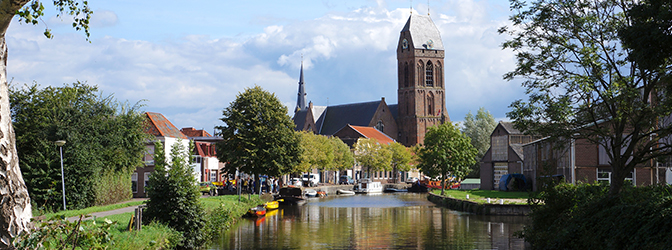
[
  {"x": 255, "y": 212},
  {"x": 395, "y": 190},
  {"x": 310, "y": 193},
  {"x": 418, "y": 187},
  {"x": 290, "y": 196},
  {"x": 272, "y": 205},
  {"x": 366, "y": 186},
  {"x": 345, "y": 192},
  {"x": 321, "y": 194}
]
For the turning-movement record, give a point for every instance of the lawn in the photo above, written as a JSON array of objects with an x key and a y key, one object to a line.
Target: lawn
[
  {"x": 88, "y": 210},
  {"x": 480, "y": 196}
]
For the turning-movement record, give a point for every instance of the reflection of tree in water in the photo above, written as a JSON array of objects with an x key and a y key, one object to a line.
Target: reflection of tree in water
[{"x": 410, "y": 227}]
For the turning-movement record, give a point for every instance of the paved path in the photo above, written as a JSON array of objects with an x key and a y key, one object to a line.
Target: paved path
[{"x": 110, "y": 212}]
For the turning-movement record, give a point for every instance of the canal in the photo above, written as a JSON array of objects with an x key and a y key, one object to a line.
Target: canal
[{"x": 382, "y": 221}]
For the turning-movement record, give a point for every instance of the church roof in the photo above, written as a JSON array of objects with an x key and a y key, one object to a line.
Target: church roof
[
  {"x": 300, "y": 119},
  {"x": 337, "y": 117},
  {"x": 423, "y": 30},
  {"x": 159, "y": 126},
  {"x": 394, "y": 110}
]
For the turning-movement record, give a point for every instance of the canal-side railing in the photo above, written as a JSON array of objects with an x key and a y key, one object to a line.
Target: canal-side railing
[{"x": 476, "y": 208}]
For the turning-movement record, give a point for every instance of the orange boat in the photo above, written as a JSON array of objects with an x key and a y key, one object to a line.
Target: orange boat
[
  {"x": 258, "y": 211},
  {"x": 437, "y": 184}
]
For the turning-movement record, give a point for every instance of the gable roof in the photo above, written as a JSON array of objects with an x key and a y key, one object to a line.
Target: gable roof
[
  {"x": 422, "y": 30},
  {"x": 337, "y": 117},
  {"x": 191, "y": 132},
  {"x": 159, "y": 126},
  {"x": 508, "y": 126},
  {"x": 372, "y": 133}
]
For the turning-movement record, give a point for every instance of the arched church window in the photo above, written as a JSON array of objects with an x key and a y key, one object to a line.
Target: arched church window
[
  {"x": 429, "y": 75},
  {"x": 406, "y": 74},
  {"x": 439, "y": 75},
  {"x": 430, "y": 104},
  {"x": 380, "y": 125},
  {"x": 420, "y": 69}
]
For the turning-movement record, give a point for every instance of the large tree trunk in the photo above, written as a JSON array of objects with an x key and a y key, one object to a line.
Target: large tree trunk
[{"x": 15, "y": 210}]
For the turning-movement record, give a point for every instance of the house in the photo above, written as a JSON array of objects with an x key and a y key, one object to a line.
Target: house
[
  {"x": 204, "y": 155},
  {"x": 164, "y": 131},
  {"x": 505, "y": 155}
]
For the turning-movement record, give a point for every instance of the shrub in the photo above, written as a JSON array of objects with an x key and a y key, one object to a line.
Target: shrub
[
  {"x": 174, "y": 197},
  {"x": 586, "y": 217}
]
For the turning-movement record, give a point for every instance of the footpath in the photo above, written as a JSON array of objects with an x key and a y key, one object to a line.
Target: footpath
[{"x": 110, "y": 212}]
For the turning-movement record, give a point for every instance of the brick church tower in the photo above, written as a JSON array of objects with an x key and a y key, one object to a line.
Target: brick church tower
[{"x": 421, "y": 88}]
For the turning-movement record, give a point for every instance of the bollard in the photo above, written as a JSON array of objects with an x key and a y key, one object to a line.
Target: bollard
[
  {"x": 488, "y": 200},
  {"x": 467, "y": 197},
  {"x": 501, "y": 202}
]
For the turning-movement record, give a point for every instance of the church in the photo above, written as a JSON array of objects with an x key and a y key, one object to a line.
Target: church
[{"x": 420, "y": 93}]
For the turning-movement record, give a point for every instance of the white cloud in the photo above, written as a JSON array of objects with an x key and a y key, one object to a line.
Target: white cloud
[{"x": 348, "y": 57}]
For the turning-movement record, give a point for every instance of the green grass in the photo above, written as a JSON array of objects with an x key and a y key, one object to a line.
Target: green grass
[
  {"x": 480, "y": 196},
  {"x": 88, "y": 210}
]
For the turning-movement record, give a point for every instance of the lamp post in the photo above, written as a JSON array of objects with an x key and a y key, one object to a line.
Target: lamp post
[{"x": 60, "y": 144}]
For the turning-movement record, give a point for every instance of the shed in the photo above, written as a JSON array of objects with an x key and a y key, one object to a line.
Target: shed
[{"x": 470, "y": 183}]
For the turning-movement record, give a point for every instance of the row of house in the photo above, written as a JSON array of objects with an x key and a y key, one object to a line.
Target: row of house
[
  {"x": 204, "y": 161},
  {"x": 539, "y": 160}
]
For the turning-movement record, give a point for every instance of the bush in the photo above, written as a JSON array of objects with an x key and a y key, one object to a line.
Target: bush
[
  {"x": 174, "y": 197},
  {"x": 586, "y": 217}
]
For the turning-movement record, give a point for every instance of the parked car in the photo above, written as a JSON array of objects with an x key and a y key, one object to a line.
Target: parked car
[
  {"x": 412, "y": 180},
  {"x": 345, "y": 180},
  {"x": 207, "y": 188},
  {"x": 311, "y": 180},
  {"x": 295, "y": 182}
]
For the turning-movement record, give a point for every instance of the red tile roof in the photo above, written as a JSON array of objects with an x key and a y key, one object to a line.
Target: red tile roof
[
  {"x": 158, "y": 125},
  {"x": 371, "y": 132},
  {"x": 191, "y": 132}
]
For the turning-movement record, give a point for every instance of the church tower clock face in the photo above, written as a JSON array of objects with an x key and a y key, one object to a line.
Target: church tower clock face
[{"x": 404, "y": 44}]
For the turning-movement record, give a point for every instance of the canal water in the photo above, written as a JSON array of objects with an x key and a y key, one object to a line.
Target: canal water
[{"x": 382, "y": 221}]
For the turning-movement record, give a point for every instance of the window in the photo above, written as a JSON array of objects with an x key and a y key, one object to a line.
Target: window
[
  {"x": 146, "y": 182},
  {"x": 380, "y": 126},
  {"x": 406, "y": 74},
  {"x": 196, "y": 159},
  {"x": 430, "y": 104},
  {"x": 213, "y": 175},
  {"x": 604, "y": 175},
  {"x": 499, "y": 148},
  {"x": 420, "y": 80},
  {"x": 385, "y": 174},
  {"x": 439, "y": 74},
  {"x": 134, "y": 182},
  {"x": 429, "y": 75}
]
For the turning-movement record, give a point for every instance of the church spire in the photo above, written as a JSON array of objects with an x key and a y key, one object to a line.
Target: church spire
[{"x": 301, "y": 99}]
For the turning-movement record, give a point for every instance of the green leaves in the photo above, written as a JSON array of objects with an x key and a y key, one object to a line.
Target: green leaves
[
  {"x": 446, "y": 151},
  {"x": 104, "y": 138},
  {"x": 258, "y": 135},
  {"x": 79, "y": 11}
]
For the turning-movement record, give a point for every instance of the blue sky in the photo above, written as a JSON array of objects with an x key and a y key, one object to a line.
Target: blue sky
[{"x": 189, "y": 59}]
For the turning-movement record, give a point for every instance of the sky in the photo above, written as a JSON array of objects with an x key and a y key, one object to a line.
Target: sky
[{"x": 189, "y": 59}]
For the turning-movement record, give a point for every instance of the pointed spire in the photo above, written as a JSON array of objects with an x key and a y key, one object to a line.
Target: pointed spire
[{"x": 301, "y": 98}]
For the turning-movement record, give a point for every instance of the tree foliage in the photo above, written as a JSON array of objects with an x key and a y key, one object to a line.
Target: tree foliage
[
  {"x": 479, "y": 128},
  {"x": 174, "y": 196},
  {"x": 258, "y": 135},
  {"x": 372, "y": 155},
  {"x": 104, "y": 138},
  {"x": 446, "y": 152},
  {"x": 324, "y": 153},
  {"x": 583, "y": 82},
  {"x": 401, "y": 158}
]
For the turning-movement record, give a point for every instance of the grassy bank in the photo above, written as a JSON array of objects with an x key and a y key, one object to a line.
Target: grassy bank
[
  {"x": 222, "y": 213},
  {"x": 89, "y": 210},
  {"x": 481, "y": 196}
]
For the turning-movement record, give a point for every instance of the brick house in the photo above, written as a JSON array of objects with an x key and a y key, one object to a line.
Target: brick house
[
  {"x": 163, "y": 131},
  {"x": 205, "y": 154}
]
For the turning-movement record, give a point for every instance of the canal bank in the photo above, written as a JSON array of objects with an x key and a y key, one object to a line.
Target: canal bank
[
  {"x": 480, "y": 209},
  {"x": 331, "y": 190}
]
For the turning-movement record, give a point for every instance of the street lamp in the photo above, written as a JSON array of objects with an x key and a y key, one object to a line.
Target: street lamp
[{"x": 60, "y": 144}]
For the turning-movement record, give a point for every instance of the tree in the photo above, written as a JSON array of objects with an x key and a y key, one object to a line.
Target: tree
[
  {"x": 401, "y": 158},
  {"x": 372, "y": 155},
  {"x": 583, "y": 82},
  {"x": 104, "y": 138},
  {"x": 479, "y": 129},
  {"x": 317, "y": 152},
  {"x": 16, "y": 211},
  {"x": 258, "y": 135},
  {"x": 343, "y": 158},
  {"x": 446, "y": 151},
  {"x": 174, "y": 196}
]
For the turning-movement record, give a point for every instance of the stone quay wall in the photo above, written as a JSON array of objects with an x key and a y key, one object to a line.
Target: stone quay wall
[{"x": 476, "y": 208}]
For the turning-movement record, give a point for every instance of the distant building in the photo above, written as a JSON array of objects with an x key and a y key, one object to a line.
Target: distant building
[
  {"x": 505, "y": 155},
  {"x": 204, "y": 156}
]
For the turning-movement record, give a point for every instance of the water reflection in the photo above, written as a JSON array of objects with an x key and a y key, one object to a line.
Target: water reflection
[{"x": 387, "y": 221}]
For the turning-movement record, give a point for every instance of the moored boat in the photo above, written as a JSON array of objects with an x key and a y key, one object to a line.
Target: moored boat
[
  {"x": 310, "y": 193},
  {"x": 258, "y": 211},
  {"x": 271, "y": 205},
  {"x": 366, "y": 186},
  {"x": 395, "y": 190},
  {"x": 290, "y": 196},
  {"x": 345, "y": 192}
]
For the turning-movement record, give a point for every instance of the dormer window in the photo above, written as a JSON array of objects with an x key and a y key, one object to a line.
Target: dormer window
[{"x": 380, "y": 126}]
